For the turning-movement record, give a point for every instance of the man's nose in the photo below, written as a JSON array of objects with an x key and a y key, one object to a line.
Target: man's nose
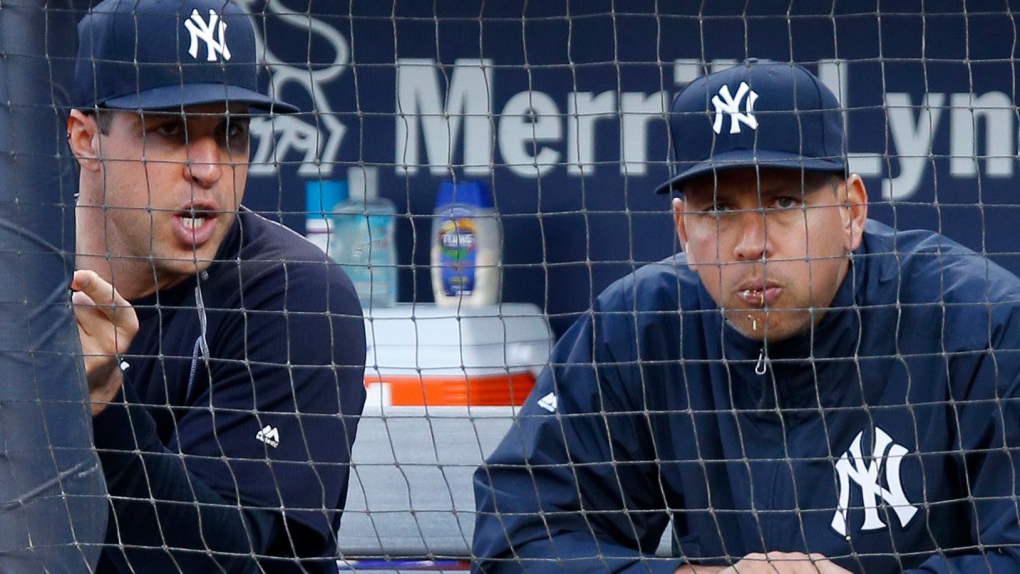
[
  {"x": 753, "y": 242},
  {"x": 204, "y": 165}
]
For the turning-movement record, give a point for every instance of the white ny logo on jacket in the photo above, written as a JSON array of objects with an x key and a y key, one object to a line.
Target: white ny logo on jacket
[
  {"x": 213, "y": 33},
  {"x": 852, "y": 466}
]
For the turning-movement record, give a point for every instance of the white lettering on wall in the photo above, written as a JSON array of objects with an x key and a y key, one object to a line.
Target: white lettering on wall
[
  {"x": 965, "y": 151},
  {"x": 423, "y": 114},
  {"x": 636, "y": 111},
  {"x": 913, "y": 130},
  {"x": 584, "y": 109},
  {"x": 529, "y": 120},
  {"x": 435, "y": 126},
  {"x": 529, "y": 129}
]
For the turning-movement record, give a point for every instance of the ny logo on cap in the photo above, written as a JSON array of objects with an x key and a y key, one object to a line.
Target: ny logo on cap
[
  {"x": 726, "y": 104},
  {"x": 213, "y": 33}
]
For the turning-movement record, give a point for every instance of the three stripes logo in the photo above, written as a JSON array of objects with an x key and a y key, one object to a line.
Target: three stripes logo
[{"x": 548, "y": 402}]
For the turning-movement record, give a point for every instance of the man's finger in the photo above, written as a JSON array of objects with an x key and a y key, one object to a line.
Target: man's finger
[
  {"x": 102, "y": 294},
  {"x": 80, "y": 279},
  {"x": 81, "y": 299},
  {"x": 84, "y": 310}
]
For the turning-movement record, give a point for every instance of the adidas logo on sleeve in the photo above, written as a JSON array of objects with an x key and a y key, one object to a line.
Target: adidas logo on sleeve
[{"x": 548, "y": 402}]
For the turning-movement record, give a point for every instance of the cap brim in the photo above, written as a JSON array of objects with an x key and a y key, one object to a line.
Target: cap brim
[
  {"x": 737, "y": 159},
  {"x": 175, "y": 97}
]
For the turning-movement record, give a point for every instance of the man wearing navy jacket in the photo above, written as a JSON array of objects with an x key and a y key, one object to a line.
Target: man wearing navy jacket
[
  {"x": 226, "y": 428},
  {"x": 801, "y": 390}
]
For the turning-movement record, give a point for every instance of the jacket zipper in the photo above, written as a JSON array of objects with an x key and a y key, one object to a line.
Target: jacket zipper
[{"x": 763, "y": 359}]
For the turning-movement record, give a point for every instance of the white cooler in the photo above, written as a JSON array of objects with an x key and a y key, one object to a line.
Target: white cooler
[
  {"x": 444, "y": 387},
  {"x": 424, "y": 355}
]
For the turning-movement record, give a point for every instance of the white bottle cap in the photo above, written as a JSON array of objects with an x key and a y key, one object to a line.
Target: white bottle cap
[{"x": 363, "y": 183}]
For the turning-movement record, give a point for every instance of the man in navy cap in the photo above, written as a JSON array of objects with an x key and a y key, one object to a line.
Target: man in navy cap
[
  {"x": 225, "y": 426},
  {"x": 800, "y": 390}
]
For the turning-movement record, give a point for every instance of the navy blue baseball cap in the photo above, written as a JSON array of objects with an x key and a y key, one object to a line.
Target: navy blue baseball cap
[
  {"x": 759, "y": 113},
  {"x": 167, "y": 54}
]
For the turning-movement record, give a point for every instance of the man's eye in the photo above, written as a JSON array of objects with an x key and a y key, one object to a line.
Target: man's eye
[
  {"x": 236, "y": 133},
  {"x": 786, "y": 202},
  {"x": 716, "y": 208},
  {"x": 170, "y": 129}
]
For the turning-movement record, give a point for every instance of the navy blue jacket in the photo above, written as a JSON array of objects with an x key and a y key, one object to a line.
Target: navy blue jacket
[
  {"x": 886, "y": 439},
  {"x": 245, "y": 384}
]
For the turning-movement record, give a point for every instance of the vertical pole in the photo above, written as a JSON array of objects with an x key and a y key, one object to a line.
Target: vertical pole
[{"x": 53, "y": 505}]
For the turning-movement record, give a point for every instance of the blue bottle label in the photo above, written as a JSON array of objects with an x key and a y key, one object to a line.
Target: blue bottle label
[{"x": 458, "y": 250}]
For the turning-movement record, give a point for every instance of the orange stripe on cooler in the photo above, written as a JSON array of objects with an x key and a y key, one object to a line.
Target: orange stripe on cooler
[{"x": 504, "y": 389}]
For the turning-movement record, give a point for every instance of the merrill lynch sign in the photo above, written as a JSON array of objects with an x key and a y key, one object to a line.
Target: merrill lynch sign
[{"x": 465, "y": 117}]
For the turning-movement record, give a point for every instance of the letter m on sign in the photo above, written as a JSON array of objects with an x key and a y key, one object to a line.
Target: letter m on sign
[{"x": 425, "y": 115}]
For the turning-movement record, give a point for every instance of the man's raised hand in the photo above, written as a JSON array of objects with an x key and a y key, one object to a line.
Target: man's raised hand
[{"x": 106, "y": 324}]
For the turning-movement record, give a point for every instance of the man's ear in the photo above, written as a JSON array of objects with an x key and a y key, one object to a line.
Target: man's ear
[
  {"x": 83, "y": 137},
  {"x": 856, "y": 214},
  {"x": 680, "y": 224}
]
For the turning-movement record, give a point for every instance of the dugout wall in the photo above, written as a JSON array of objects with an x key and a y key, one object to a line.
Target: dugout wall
[{"x": 558, "y": 106}]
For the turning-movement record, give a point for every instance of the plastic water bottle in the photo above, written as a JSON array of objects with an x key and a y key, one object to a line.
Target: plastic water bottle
[
  {"x": 466, "y": 252},
  {"x": 362, "y": 240},
  {"x": 320, "y": 198}
]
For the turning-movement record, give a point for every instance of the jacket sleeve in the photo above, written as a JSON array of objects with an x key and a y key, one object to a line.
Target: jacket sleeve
[
  {"x": 986, "y": 394},
  {"x": 571, "y": 486},
  {"x": 157, "y": 504},
  {"x": 270, "y": 435}
]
